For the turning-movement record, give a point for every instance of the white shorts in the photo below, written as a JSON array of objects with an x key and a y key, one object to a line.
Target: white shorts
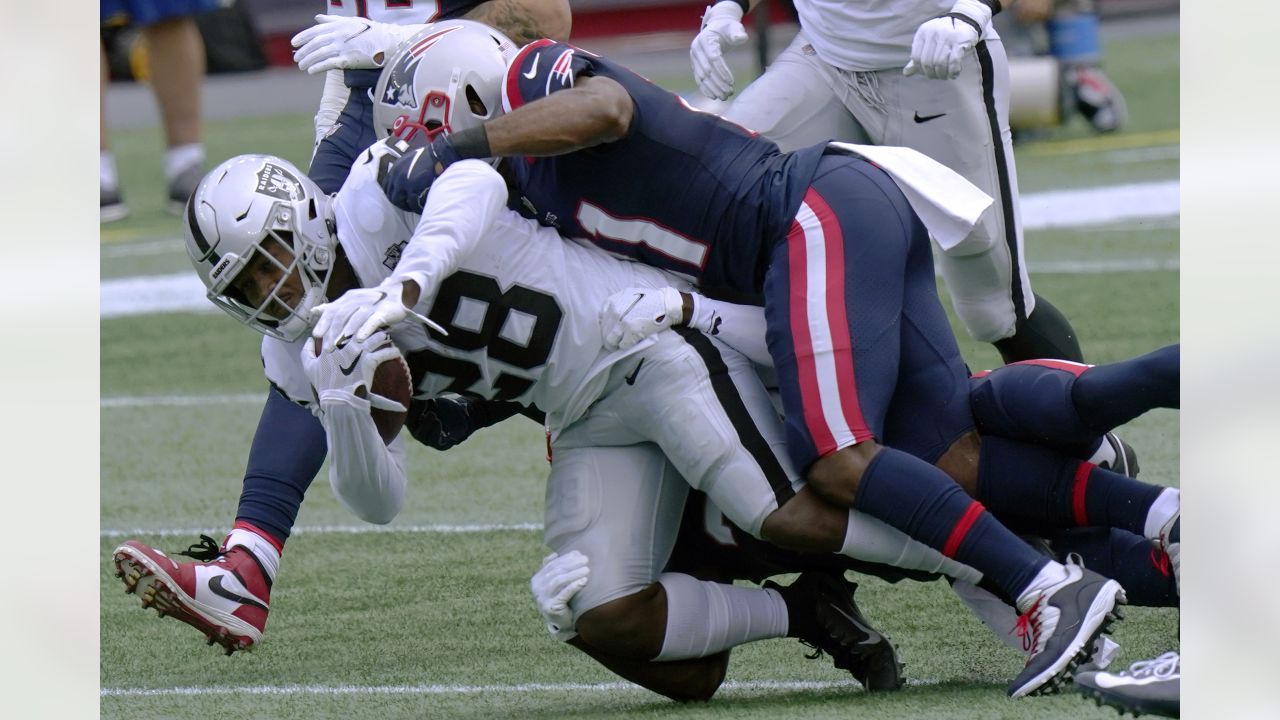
[
  {"x": 693, "y": 414},
  {"x": 961, "y": 123}
]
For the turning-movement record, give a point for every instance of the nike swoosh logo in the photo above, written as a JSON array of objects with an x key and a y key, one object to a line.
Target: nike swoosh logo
[
  {"x": 927, "y": 118},
  {"x": 215, "y": 586},
  {"x": 351, "y": 368},
  {"x": 533, "y": 72},
  {"x": 873, "y": 637},
  {"x": 631, "y": 379}
]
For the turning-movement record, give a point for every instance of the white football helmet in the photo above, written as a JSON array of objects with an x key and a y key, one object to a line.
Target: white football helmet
[
  {"x": 446, "y": 78},
  {"x": 239, "y": 207}
]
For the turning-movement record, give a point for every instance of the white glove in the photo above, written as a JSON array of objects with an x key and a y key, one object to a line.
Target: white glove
[
  {"x": 721, "y": 23},
  {"x": 560, "y": 578},
  {"x": 339, "y": 374},
  {"x": 337, "y": 42},
  {"x": 634, "y": 314},
  {"x": 359, "y": 312},
  {"x": 940, "y": 44}
]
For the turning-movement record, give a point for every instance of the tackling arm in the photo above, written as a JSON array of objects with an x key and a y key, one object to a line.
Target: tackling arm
[{"x": 595, "y": 111}]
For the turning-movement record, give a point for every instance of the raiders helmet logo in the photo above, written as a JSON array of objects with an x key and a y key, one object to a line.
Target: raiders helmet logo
[{"x": 276, "y": 182}]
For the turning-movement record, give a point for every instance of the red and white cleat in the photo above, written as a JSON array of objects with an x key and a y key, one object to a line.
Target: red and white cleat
[{"x": 226, "y": 597}]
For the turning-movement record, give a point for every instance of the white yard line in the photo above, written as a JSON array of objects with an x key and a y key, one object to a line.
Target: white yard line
[
  {"x": 332, "y": 530},
  {"x": 132, "y": 401},
  {"x": 182, "y": 292},
  {"x": 729, "y": 687}
]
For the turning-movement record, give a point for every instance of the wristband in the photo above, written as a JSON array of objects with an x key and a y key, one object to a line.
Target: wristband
[{"x": 471, "y": 143}]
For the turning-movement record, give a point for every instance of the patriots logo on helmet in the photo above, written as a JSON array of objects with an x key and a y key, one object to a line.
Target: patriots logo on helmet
[
  {"x": 400, "y": 83},
  {"x": 400, "y": 87},
  {"x": 278, "y": 183}
]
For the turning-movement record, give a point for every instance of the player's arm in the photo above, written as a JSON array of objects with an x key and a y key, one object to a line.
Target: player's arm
[
  {"x": 633, "y": 314},
  {"x": 595, "y": 111},
  {"x": 366, "y": 474},
  {"x": 525, "y": 20}
]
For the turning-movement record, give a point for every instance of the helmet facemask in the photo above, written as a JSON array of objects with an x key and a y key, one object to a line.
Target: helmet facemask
[{"x": 260, "y": 211}]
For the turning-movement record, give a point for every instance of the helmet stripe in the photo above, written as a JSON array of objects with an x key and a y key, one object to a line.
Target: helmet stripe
[{"x": 198, "y": 235}]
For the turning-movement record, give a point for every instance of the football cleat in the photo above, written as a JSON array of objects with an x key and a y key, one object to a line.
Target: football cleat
[
  {"x": 112, "y": 207},
  {"x": 1148, "y": 686},
  {"x": 1097, "y": 99},
  {"x": 1116, "y": 455},
  {"x": 181, "y": 187},
  {"x": 1170, "y": 542},
  {"x": 825, "y": 617},
  {"x": 224, "y": 593},
  {"x": 1059, "y": 624}
]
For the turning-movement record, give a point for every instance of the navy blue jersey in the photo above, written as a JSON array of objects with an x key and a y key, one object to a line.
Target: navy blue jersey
[{"x": 684, "y": 190}]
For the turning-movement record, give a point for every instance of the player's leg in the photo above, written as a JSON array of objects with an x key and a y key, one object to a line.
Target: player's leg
[
  {"x": 834, "y": 293},
  {"x": 225, "y": 591},
  {"x": 177, "y": 66},
  {"x": 986, "y": 274},
  {"x": 620, "y": 507},
  {"x": 794, "y": 103},
  {"x": 112, "y": 206}
]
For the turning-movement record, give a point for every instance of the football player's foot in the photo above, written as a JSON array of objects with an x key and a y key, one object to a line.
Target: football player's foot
[
  {"x": 1097, "y": 99},
  {"x": 1116, "y": 455},
  {"x": 1147, "y": 686},
  {"x": 1063, "y": 612},
  {"x": 823, "y": 615},
  {"x": 181, "y": 187},
  {"x": 1170, "y": 543},
  {"x": 224, "y": 594},
  {"x": 112, "y": 207}
]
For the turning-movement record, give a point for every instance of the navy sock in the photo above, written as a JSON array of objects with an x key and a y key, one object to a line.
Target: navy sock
[
  {"x": 288, "y": 449},
  {"x": 1058, "y": 490},
  {"x": 1108, "y": 396},
  {"x": 1132, "y": 560},
  {"x": 925, "y": 503}
]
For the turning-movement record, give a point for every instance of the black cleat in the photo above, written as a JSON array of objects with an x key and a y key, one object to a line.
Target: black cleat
[{"x": 824, "y": 616}]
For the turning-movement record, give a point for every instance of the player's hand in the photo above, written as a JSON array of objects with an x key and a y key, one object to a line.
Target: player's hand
[
  {"x": 441, "y": 422},
  {"x": 634, "y": 314},
  {"x": 337, "y": 42},
  {"x": 940, "y": 44},
  {"x": 341, "y": 372},
  {"x": 721, "y": 25},
  {"x": 409, "y": 179},
  {"x": 559, "y": 579},
  {"x": 357, "y": 314}
]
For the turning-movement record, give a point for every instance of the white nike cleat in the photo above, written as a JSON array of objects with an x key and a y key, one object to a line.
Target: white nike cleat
[{"x": 226, "y": 598}]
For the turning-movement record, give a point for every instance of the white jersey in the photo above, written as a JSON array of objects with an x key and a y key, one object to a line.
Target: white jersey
[
  {"x": 414, "y": 12},
  {"x": 867, "y": 34},
  {"x": 521, "y": 308}
]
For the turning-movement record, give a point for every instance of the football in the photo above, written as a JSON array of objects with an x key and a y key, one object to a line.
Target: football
[{"x": 391, "y": 380}]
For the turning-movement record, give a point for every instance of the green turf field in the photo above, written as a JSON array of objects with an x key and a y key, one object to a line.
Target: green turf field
[{"x": 418, "y": 621}]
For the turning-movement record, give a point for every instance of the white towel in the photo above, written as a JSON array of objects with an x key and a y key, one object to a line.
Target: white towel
[{"x": 948, "y": 205}]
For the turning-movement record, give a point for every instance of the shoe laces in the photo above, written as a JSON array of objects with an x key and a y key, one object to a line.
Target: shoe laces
[
  {"x": 817, "y": 651},
  {"x": 1166, "y": 666},
  {"x": 1028, "y": 626},
  {"x": 1160, "y": 559},
  {"x": 207, "y": 550}
]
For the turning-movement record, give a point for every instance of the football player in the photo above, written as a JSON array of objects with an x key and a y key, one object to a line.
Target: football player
[
  {"x": 929, "y": 75},
  {"x": 288, "y": 448},
  {"x": 351, "y": 43},
  {"x": 838, "y": 251}
]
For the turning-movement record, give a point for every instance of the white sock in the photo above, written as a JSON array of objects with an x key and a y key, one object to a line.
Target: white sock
[
  {"x": 259, "y": 546},
  {"x": 1167, "y": 504},
  {"x": 1049, "y": 575},
  {"x": 1103, "y": 454},
  {"x": 704, "y": 618},
  {"x": 992, "y": 611},
  {"x": 867, "y": 538},
  {"x": 107, "y": 176},
  {"x": 181, "y": 157}
]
